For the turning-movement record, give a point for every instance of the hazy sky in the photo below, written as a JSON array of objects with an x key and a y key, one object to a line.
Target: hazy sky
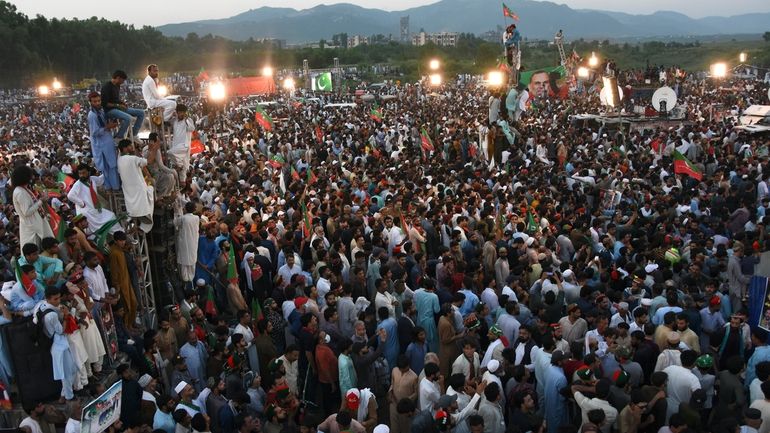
[{"x": 156, "y": 12}]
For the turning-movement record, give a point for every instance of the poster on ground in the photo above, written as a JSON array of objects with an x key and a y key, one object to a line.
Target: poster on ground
[
  {"x": 550, "y": 82},
  {"x": 103, "y": 411}
]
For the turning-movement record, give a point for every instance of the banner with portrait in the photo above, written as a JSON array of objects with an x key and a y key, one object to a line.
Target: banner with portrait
[
  {"x": 103, "y": 411},
  {"x": 550, "y": 81}
]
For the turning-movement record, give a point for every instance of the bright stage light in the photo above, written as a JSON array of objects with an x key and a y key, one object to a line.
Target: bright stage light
[
  {"x": 217, "y": 92},
  {"x": 719, "y": 70},
  {"x": 288, "y": 83},
  {"x": 593, "y": 61},
  {"x": 742, "y": 57},
  {"x": 267, "y": 71},
  {"x": 495, "y": 79},
  {"x": 43, "y": 90},
  {"x": 162, "y": 90},
  {"x": 582, "y": 72},
  {"x": 434, "y": 64},
  {"x": 435, "y": 80},
  {"x": 56, "y": 84}
]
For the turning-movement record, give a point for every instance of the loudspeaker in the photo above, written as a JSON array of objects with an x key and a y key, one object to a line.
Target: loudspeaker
[{"x": 32, "y": 363}]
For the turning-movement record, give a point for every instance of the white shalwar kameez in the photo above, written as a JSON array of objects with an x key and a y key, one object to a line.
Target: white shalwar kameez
[
  {"x": 80, "y": 194},
  {"x": 139, "y": 196}
]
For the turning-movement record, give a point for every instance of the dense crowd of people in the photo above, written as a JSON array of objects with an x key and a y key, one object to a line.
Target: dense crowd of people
[{"x": 452, "y": 259}]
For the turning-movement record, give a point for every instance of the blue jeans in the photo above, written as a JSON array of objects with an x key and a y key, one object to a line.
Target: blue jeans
[{"x": 125, "y": 119}]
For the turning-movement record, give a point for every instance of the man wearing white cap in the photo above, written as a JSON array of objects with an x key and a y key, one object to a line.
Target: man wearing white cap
[
  {"x": 621, "y": 316},
  {"x": 185, "y": 392}
]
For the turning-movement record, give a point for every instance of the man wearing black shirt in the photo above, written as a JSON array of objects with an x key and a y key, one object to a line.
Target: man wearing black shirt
[{"x": 117, "y": 109}]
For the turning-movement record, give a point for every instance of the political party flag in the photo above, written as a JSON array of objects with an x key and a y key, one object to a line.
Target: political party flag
[
  {"x": 100, "y": 236},
  {"x": 65, "y": 179},
  {"x": 27, "y": 283},
  {"x": 319, "y": 135},
  {"x": 232, "y": 272},
  {"x": 306, "y": 221},
  {"x": 202, "y": 75},
  {"x": 507, "y": 12},
  {"x": 57, "y": 226},
  {"x": 683, "y": 166},
  {"x": 294, "y": 174},
  {"x": 311, "y": 177},
  {"x": 427, "y": 143},
  {"x": 277, "y": 161},
  {"x": 531, "y": 224},
  {"x": 210, "y": 308},
  {"x": 264, "y": 120},
  {"x": 376, "y": 114},
  {"x": 256, "y": 311},
  {"x": 196, "y": 147}
]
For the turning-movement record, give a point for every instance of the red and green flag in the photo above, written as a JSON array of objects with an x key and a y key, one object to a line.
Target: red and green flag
[
  {"x": 210, "y": 307},
  {"x": 264, "y": 120},
  {"x": 319, "y": 135},
  {"x": 294, "y": 174},
  {"x": 232, "y": 271},
  {"x": 311, "y": 177},
  {"x": 507, "y": 12},
  {"x": 66, "y": 180},
  {"x": 277, "y": 161},
  {"x": 202, "y": 75},
  {"x": 427, "y": 143},
  {"x": 376, "y": 113},
  {"x": 683, "y": 165},
  {"x": 27, "y": 283},
  {"x": 57, "y": 226},
  {"x": 256, "y": 312},
  {"x": 305, "y": 221}
]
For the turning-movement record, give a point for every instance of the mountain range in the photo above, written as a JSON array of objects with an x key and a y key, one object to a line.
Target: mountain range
[{"x": 538, "y": 20}]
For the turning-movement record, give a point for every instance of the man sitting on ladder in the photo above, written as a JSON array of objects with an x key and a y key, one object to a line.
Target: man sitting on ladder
[
  {"x": 153, "y": 98},
  {"x": 117, "y": 109}
]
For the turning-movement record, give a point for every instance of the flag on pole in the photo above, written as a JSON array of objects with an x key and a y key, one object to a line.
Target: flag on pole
[
  {"x": 264, "y": 120},
  {"x": 282, "y": 182},
  {"x": 210, "y": 308},
  {"x": 311, "y": 177},
  {"x": 427, "y": 143},
  {"x": 232, "y": 272},
  {"x": 507, "y": 12},
  {"x": 57, "y": 226},
  {"x": 202, "y": 75},
  {"x": 306, "y": 221},
  {"x": 27, "y": 283},
  {"x": 531, "y": 224},
  {"x": 100, "y": 236},
  {"x": 683, "y": 166},
  {"x": 376, "y": 114}
]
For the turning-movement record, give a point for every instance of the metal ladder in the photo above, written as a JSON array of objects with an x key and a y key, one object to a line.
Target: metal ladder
[
  {"x": 559, "y": 41},
  {"x": 140, "y": 248}
]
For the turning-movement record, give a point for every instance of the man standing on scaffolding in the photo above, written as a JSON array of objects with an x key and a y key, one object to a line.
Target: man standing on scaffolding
[
  {"x": 512, "y": 41},
  {"x": 153, "y": 97}
]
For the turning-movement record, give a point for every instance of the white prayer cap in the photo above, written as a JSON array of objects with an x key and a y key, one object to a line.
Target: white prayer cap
[
  {"x": 179, "y": 388},
  {"x": 145, "y": 380},
  {"x": 382, "y": 428},
  {"x": 492, "y": 366}
]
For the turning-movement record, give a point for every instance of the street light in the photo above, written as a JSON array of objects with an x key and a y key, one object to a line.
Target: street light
[
  {"x": 43, "y": 90},
  {"x": 267, "y": 71},
  {"x": 434, "y": 64},
  {"x": 742, "y": 57},
  {"x": 435, "y": 80},
  {"x": 593, "y": 61},
  {"x": 217, "y": 92},
  {"x": 56, "y": 84},
  {"x": 582, "y": 72},
  {"x": 719, "y": 70},
  {"x": 495, "y": 79},
  {"x": 288, "y": 83},
  {"x": 162, "y": 90}
]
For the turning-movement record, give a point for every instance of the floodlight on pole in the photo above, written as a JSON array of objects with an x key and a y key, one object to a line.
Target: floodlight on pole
[
  {"x": 435, "y": 79},
  {"x": 288, "y": 83},
  {"x": 742, "y": 57},
  {"x": 495, "y": 79},
  {"x": 56, "y": 84},
  {"x": 593, "y": 61},
  {"x": 162, "y": 90},
  {"x": 434, "y": 64},
  {"x": 217, "y": 92},
  {"x": 582, "y": 72},
  {"x": 267, "y": 71},
  {"x": 719, "y": 70},
  {"x": 43, "y": 90}
]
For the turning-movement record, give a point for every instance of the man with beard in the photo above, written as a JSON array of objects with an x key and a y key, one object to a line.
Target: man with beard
[
  {"x": 102, "y": 144},
  {"x": 188, "y": 228},
  {"x": 83, "y": 195},
  {"x": 180, "y": 375},
  {"x": 208, "y": 251},
  {"x": 276, "y": 419}
]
